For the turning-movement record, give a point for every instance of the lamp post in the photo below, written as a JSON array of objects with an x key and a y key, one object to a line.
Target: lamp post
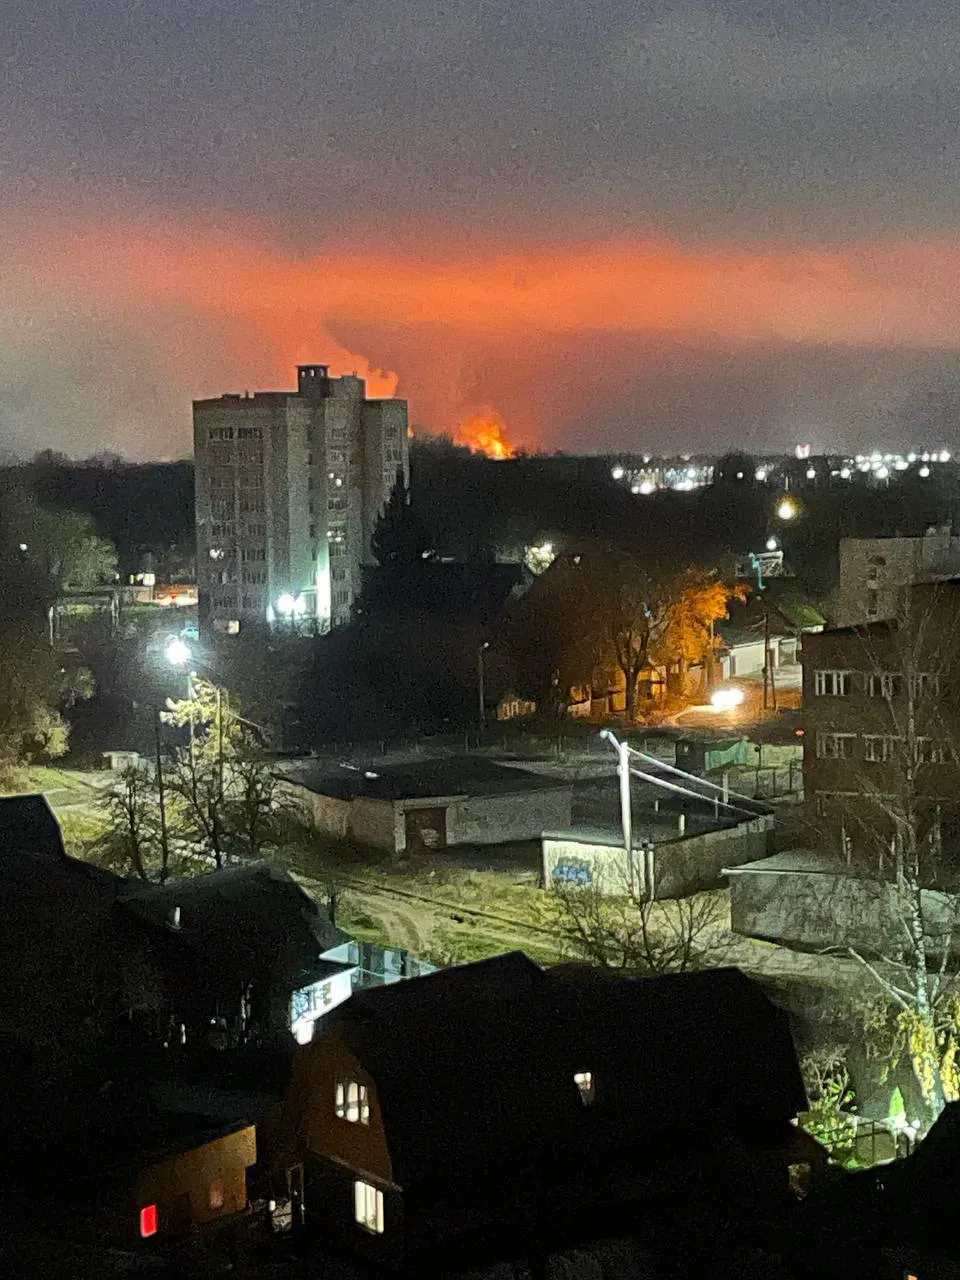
[
  {"x": 179, "y": 654},
  {"x": 481, "y": 690},
  {"x": 161, "y": 795}
]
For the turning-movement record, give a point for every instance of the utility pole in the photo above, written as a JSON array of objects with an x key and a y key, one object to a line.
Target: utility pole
[
  {"x": 481, "y": 691},
  {"x": 219, "y": 743},
  {"x": 161, "y": 797}
]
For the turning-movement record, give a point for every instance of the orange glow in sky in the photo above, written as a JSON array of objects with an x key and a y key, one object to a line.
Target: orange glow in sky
[
  {"x": 485, "y": 432},
  {"x": 172, "y": 311}
]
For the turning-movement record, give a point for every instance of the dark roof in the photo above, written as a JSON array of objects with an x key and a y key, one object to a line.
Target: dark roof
[
  {"x": 27, "y": 823},
  {"x": 480, "y": 1059},
  {"x": 240, "y": 921},
  {"x": 876, "y": 627},
  {"x": 790, "y": 612},
  {"x": 449, "y": 776}
]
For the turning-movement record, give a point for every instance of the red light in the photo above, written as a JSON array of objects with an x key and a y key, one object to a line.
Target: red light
[
  {"x": 148, "y": 1221},
  {"x": 799, "y": 732}
]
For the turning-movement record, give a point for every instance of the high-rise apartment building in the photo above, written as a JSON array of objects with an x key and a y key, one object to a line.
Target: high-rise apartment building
[{"x": 289, "y": 485}]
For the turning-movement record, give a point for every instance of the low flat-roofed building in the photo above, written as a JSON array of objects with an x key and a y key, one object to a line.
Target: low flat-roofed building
[{"x": 426, "y": 806}]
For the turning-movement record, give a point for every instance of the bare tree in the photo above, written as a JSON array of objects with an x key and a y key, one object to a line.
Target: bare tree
[
  {"x": 133, "y": 838},
  {"x": 625, "y": 931}
]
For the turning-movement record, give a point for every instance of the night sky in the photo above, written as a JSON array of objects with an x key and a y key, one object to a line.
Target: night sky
[{"x": 644, "y": 224}]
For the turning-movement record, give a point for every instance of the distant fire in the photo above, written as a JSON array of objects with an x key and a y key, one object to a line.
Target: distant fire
[{"x": 486, "y": 432}]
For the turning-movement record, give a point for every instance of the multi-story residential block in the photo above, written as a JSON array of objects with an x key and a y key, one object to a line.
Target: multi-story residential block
[
  {"x": 875, "y": 571},
  {"x": 882, "y": 729},
  {"x": 289, "y": 485}
]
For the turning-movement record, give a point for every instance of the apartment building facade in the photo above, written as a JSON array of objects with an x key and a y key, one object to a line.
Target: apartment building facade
[
  {"x": 882, "y": 729},
  {"x": 289, "y": 486},
  {"x": 874, "y": 572}
]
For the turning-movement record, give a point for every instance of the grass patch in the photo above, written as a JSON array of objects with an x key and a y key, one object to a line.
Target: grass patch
[
  {"x": 62, "y": 787},
  {"x": 80, "y": 830}
]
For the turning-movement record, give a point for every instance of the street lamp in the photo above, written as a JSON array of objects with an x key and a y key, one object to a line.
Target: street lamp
[
  {"x": 481, "y": 691},
  {"x": 787, "y": 509},
  {"x": 727, "y": 698},
  {"x": 178, "y": 653}
]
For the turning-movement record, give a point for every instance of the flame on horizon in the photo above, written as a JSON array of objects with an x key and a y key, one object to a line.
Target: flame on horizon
[{"x": 486, "y": 432}]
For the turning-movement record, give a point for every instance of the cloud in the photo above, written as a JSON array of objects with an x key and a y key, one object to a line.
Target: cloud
[{"x": 698, "y": 117}]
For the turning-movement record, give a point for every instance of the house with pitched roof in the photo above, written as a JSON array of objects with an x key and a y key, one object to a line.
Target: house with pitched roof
[{"x": 500, "y": 1101}]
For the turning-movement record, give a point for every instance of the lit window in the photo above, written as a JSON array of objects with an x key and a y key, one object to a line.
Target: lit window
[
  {"x": 368, "y": 1207},
  {"x": 352, "y": 1102},
  {"x": 831, "y": 684},
  {"x": 148, "y": 1221},
  {"x": 584, "y": 1082},
  {"x": 835, "y": 746}
]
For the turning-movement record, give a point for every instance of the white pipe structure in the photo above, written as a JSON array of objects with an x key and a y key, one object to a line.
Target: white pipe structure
[
  {"x": 624, "y": 751},
  {"x": 626, "y": 808},
  {"x": 714, "y": 786},
  {"x": 685, "y": 791}
]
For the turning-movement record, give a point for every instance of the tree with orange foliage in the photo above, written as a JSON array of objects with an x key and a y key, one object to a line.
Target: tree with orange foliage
[
  {"x": 688, "y": 638},
  {"x": 631, "y": 611}
]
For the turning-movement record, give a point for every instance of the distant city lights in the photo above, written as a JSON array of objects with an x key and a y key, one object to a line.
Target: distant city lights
[{"x": 684, "y": 473}]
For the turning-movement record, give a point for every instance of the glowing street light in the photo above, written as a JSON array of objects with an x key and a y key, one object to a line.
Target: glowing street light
[
  {"x": 286, "y": 605},
  {"x": 772, "y": 544},
  {"x": 787, "y": 509},
  {"x": 726, "y": 699},
  {"x": 177, "y": 653}
]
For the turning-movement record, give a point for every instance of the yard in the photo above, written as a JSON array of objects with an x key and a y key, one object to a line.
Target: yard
[{"x": 464, "y": 904}]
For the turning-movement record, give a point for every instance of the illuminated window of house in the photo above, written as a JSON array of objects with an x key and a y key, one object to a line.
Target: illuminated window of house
[
  {"x": 368, "y": 1207},
  {"x": 352, "y": 1102},
  {"x": 585, "y": 1086}
]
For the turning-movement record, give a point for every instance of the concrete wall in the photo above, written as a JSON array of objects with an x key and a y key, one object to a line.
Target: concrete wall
[
  {"x": 747, "y": 659},
  {"x": 325, "y": 813},
  {"x": 672, "y": 869},
  {"x": 495, "y": 819},
  {"x": 874, "y": 571},
  {"x": 378, "y": 823},
  {"x": 824, "y": 910},
  {"x": 520, "y": 815},
  {"x": 695, "y": 862}
]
